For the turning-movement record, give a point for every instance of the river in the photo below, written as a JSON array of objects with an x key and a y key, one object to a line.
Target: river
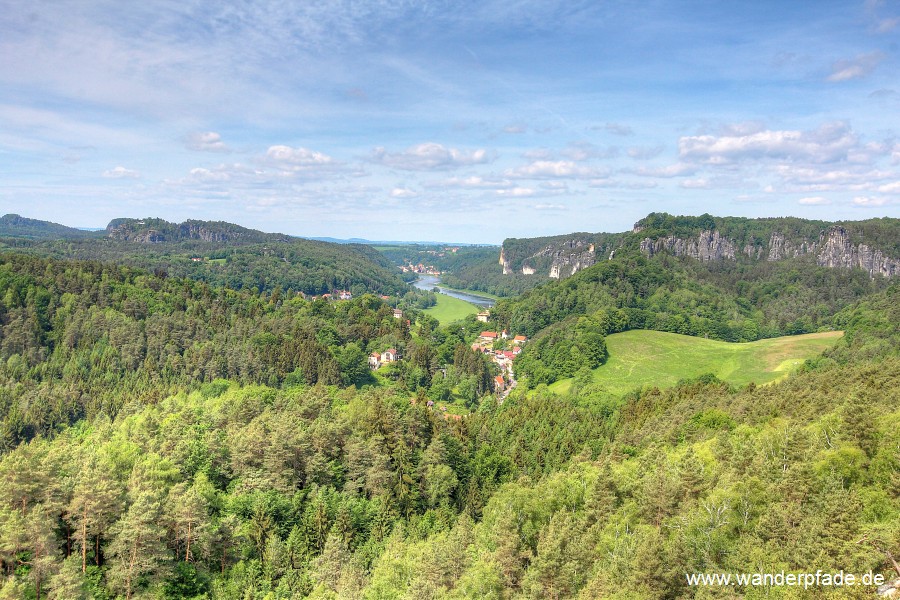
[{"x": 429, "y": 282}]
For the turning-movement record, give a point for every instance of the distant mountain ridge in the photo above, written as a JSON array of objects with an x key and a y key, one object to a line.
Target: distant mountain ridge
[
  {"x": 872, "y": 245},
  {"x": 153, "y": 231},
  {"x": 13, "y": 225},
  {"x": 216, "y": 252}
]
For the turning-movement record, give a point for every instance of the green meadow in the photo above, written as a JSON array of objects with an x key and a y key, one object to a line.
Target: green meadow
[
  {"x": 653, "y": 358},
  {"x": 449, "y": 309}
]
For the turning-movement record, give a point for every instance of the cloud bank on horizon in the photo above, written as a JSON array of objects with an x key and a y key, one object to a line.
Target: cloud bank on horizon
[{"x": 461, "y": 121}]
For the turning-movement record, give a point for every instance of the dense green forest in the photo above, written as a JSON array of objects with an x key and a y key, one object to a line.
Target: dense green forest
[
  {"x": 81, "y": 339},
  {"x": 298, "y": 490},
  {"x": 18, "y": 226},
  {"x": 215, "y": 252},
  {"x": 168, "y": 437}
]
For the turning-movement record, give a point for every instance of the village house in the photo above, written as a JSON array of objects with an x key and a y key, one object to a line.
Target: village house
[
  {"x": 499, "y": 384},
  {"x": 374, "y": 360},
  {"x": 520, "y": 339},
  {"x": 483, "y": 316},
  {"x": 398, "y": 314},
  {"x": 345, "y": 295},
  {"x": 488, "y": 336},
  {"x": 390, "y": 355}
]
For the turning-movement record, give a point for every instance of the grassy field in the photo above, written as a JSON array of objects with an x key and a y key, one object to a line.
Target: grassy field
[
  {"x": 641, "y": 358},
  {"x": 449, "y": 309}
]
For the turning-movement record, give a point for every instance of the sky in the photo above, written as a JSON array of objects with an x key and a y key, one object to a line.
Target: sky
[{"x": 453, "y": 121}]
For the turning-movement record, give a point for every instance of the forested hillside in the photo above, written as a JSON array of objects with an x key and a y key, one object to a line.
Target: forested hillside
[
  {"x": 275, "y": 484},
  {"x": 729, "y": 301},
  {"x": 221, "y": 254},
  {"x": 163, "y": 437},
  {"x": 17, "y": 226},
  {"x": 84, "y": 339}
]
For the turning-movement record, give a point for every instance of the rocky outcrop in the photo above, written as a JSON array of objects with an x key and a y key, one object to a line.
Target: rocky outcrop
[
  {"x": 565, "y": 260},
  {"x": 127, "y": 232},
  {"x": 834, "y": 249},
  {"x": 708, "y": 246},
  {"x": 781, "y": 248},
  {"x": 504, "y": 262},
  {"x": 556, "y": 261},
  {"x": 155, "y": 231}
]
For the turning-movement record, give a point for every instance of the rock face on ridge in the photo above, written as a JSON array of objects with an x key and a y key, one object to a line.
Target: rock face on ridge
[
  {"x": 837, "y": 251},
  {"x": 156, "y": 231},
  {"x": 872, "y": 245},
  {"x": 558, "y": 260},
  {"x": 709, "y": 245},
  {"x": 834, "y": 249}
]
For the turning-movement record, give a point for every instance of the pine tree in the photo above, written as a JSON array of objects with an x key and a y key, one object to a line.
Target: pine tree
[
  {"x": 138, "y": 544},
  {"x": 96, "y": 500}
]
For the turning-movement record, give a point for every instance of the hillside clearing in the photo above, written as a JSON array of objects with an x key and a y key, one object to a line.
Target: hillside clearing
[
  {"x": 643, "y": 358},
  {"x": 449, "y": 309}
]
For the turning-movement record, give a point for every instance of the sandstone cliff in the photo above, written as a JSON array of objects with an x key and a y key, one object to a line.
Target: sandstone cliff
[{"x": 834, "y": 249}]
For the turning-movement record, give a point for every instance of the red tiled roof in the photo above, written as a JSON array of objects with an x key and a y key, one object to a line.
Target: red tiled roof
[
  {"x": 488, "y": 334},
  {"x": 520, "y": 338}
]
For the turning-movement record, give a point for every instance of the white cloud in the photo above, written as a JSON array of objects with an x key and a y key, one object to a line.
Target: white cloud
[
  {"x": 205, "y": 141},
  {"x": 549, "y": 207},
  {"x": 430, "y": 156},
  {"x": 814, "y": 201},
  {"x": 695, "y": 184},
  {"x": 869, "y": 202},
  {"x": 202, "y": 175},
  {"x": 517, "y": 192},
  {"x": 297, "y": 157},
  {"x": 890, "y": 188},
  {"x": 473, "y": 182},
  {"x": 121, "y": 172},
  {"x": 829, "y": 143},
  {"x": 555, "y": 185},
  {"x": 816, "y": 179},
  {"x": 541, "y": 169},
  {"x": 402, "y": 193},
  {"x": 855, "y": 68}
]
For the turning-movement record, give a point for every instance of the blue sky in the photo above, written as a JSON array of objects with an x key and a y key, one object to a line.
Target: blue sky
[{"x": 457, "y": 121}]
